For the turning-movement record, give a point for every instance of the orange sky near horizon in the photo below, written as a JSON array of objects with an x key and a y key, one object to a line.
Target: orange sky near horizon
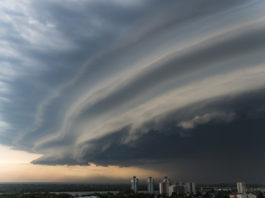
[{"x": 15, "y": 166}]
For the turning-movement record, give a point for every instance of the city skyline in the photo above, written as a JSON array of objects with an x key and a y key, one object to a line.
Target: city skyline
[{"x": 101, "y": 90}]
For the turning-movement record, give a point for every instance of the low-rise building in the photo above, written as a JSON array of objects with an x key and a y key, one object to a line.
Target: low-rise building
[{"x": 246, "y": 195}]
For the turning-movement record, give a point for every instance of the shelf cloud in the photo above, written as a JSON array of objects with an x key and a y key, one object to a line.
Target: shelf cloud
[{"x": 169, "y": 85}]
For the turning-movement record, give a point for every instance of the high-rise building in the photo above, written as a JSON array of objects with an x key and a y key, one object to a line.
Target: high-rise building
[
  {"x": 241, "y": 188},
  {"x": 190, "y": 188},
  {"x": 150, "y": 185},
  {"x": 172, "y": 189},
  {"x": 163, "y": 186},
  {"x": 180, "y": 188},
  {"x": 134, "y": 184},
  {"x": 193, "y": 188}
]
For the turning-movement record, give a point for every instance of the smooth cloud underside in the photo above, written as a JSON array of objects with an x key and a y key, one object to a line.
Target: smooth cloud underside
[{"x": 136, "y": 83}]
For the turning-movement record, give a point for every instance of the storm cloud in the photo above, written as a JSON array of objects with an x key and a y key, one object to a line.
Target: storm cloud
[{"x": 172, "y": 85}]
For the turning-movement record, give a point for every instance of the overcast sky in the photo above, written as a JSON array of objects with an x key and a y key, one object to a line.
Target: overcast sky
[{"x": 169, "y": 87}]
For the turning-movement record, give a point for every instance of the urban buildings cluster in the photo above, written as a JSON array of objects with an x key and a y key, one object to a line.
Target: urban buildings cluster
[
  {"x": 242, "y": 191},
  {"x": 166, "y": 187}
]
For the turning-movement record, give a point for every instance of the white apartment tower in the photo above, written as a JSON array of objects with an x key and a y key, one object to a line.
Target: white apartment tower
[
  {"x": 241, "y": 188},
  {"x": 150, "y": 185},
  {"x": 190, "y": 188},
  {"x": 172, "y": 189},
  {"x": 163, "y": 186},
  {"x": 134, "y": 184}
]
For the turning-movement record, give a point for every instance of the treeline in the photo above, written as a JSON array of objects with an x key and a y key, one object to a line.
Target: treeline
[
  {"x": 29, "y": 188},
  {"x": 125, "y": 194},
  {"x": 35, "y": 195}
]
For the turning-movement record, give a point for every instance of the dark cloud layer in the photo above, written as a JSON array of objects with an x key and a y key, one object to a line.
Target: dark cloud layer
[
  {"x": 235, "y": 147},
  {"x": 170, "y": 85}
]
